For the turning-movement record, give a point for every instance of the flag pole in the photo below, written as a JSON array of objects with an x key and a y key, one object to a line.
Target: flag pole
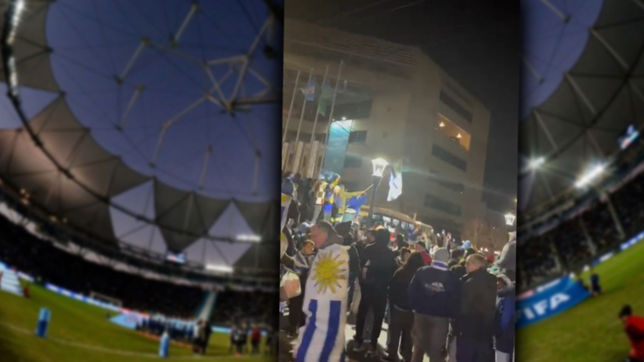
[
  {"x": 299, "y": 126},
  {"x": 313, "y": 147},
  {"x": 315, "y": 122},
  {"x": 290, "y": 110},
  {"x": 299, "y": 147},
  {"x": 328, "y": 127}
]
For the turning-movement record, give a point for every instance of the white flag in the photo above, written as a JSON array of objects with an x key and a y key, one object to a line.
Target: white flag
[{"x": 395, "y": 181}]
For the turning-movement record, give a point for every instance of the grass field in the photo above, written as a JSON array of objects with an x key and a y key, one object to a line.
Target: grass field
[
  {"x": 591, "y": 331},
  {"x": 81, "y": 333}
]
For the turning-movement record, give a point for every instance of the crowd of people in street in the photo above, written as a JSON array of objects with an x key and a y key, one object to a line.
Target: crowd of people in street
[
  {"x": 567, "y": 247},
  {"x": 438, "y": 298}
]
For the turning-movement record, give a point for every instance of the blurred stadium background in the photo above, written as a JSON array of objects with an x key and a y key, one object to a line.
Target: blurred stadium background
[
  {"x": 581, "y": 181},
  {"x": 138, "y": 141}
]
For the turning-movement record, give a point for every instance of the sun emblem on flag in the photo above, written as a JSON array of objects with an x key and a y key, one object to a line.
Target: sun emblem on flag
[{"x": 328, "y": 272}]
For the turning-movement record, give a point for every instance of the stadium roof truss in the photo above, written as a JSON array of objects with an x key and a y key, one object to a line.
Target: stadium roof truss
[
  {"x": 577, "y": 127},
  {"x": 61, "y": 168}
]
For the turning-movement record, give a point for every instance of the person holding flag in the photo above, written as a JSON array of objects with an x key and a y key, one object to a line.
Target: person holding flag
[
  {"x": 340, "y": 200},
  {"x": 325, "y": 299}
]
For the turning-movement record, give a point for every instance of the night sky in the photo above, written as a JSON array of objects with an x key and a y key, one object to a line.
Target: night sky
[{"x": 476, "y": 42}]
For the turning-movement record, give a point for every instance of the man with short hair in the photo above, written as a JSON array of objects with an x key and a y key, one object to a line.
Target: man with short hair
[
  {"x": 325, "y": 299},
  {"x": 475, "y": 325},
  {"x": 634, "y": 327},
  {"x": 434, "y": 294}
]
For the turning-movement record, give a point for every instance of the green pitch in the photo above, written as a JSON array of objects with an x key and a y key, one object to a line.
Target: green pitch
[
  {"x": 81, "y": 333},
  {"x": 591, "y": 331}
]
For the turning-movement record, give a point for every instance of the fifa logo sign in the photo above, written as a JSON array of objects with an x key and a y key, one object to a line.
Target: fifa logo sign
[
  {"x": 548, "y": 300},
  {"x": 544, "y": 307}
]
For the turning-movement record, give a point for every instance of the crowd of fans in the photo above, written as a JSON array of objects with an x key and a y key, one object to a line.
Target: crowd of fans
[
  {"x": 457, "y": 300},
  {"x": 566, "y": 248},
  {"x": 49, "y": 264}
]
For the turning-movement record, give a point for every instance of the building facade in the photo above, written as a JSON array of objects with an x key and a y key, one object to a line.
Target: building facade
[{"x": 396, "y": 104}]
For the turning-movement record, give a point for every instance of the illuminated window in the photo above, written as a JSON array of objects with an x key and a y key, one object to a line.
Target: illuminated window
[
  {"x": 450, "y": 130},
  {"x": 456, "y": 106}
]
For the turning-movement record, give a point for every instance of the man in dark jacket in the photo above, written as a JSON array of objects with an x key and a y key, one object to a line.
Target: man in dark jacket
[
  {"x": 434, "y": 294},
  {"x": 475, "y": 325},
  {"x": 377, "y": 270},
  {"x": 504, "y": 329}
]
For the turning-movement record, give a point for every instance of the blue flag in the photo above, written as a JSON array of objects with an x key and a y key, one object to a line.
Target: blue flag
[{"x": 309, "y": 90}]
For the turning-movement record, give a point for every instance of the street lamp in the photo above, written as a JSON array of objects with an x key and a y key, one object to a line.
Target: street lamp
[
  {"x": 379, "y": 166},
  {"x": 509, "y": 219}
]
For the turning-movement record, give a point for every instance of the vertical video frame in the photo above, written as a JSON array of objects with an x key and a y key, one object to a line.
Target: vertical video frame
[
  {"x": 399, "y": 180},
  {"x": 139, "y": 143},
  {"x": 580, "y": 222}
]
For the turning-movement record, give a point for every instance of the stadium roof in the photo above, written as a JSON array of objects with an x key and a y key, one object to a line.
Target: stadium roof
[
  {"x": 146, "y": 124},
  {"x": 582, "y": 86}
]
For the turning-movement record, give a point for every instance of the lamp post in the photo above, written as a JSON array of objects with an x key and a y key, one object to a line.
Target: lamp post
[
  {"x": 379, "y": 166},
  {"x": 509, "y": 223}
]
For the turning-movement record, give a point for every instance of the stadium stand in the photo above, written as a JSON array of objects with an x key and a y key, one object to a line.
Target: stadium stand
[
  {"x": 565, "y": 248},
  {"x": 48, "y": 264}
]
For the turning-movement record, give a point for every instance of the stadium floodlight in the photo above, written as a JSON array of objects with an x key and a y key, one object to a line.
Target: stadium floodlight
[
  {"x": 590, "y": 176},
  {"x": 219, "y": 268},
  {"x": 509, "y": 219},
  {"x": 249, "y": 237},
  {"x": 536, "y": 163}
]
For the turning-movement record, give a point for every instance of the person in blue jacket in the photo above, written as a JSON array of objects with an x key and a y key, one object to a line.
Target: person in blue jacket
[
  {"x": 434, "y": 296},
  {"x": 504, "y": 319}
]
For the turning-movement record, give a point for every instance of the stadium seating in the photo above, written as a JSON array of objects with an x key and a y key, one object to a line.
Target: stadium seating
[
  {"x": 9, "y": 282},
  {"x": 43, "y": 261},
  {"x": 564, "y": 248}
]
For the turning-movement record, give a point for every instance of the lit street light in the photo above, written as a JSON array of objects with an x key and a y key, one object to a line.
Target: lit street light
[
  {"x": 379, "y": 166},
  {"x": 509, "y": 219}
]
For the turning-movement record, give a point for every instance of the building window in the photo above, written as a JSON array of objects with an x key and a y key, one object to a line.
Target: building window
[
  {"x": 456, "y": 106},
  {"x": 451, "y": 185},
  {"x": 436, "y": 203},
  {"x": 358, "y": 137},
  {"x": 352, "y": 161},
  {"x": 449, "y": 129},
  {"x": 448, "y": 157}
]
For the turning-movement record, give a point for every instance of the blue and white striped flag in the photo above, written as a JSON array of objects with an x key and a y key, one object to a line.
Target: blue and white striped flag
[
  {"x": 325, "y": 305},
  {"x": 395, "y": 182}
]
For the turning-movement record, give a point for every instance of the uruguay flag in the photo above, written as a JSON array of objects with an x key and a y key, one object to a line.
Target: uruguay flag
[{"x": 325, "y": 305}]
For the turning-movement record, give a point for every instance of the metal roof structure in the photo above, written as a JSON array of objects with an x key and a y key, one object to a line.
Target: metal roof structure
[
  {"x": 583, "y": 85},
  {"x": 146, "y": 126}
]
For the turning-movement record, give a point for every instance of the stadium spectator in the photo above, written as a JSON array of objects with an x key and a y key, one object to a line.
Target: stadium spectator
[
  {"x": 634, "y": 327},
  {"x": 402, "y": 316},
  {"x": 475, "y": 324},
  {"x": 434, "y": 295}
]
